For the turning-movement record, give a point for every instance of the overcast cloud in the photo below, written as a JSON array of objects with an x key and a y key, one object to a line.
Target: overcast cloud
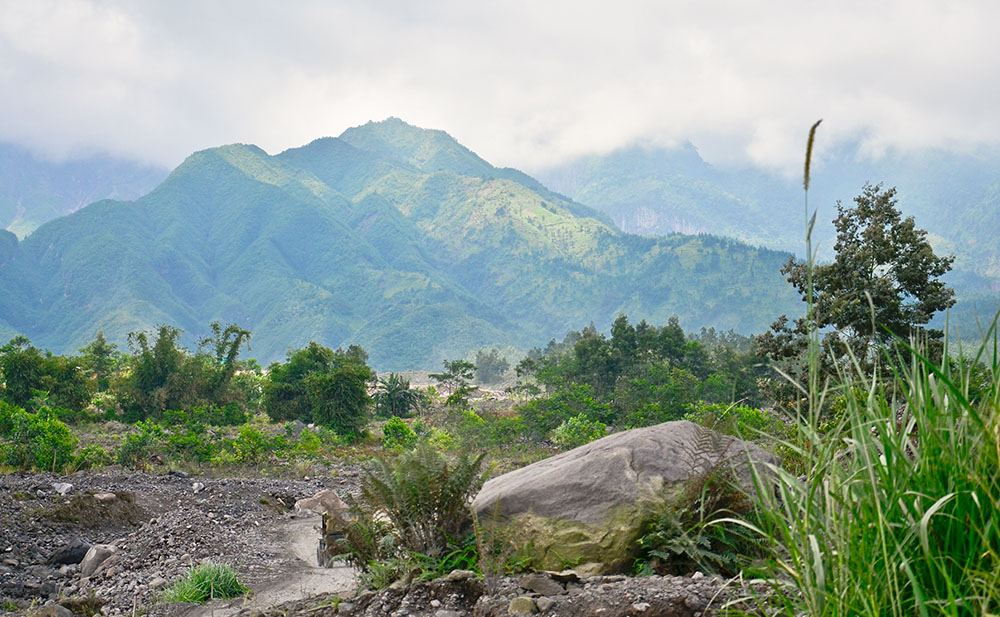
[{"x": 524, "y": 84}]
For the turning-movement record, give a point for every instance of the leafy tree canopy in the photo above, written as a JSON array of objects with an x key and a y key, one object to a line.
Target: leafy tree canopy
[
  {"x": 882, "y": 256},
  {"x": 317, "y": 384}
]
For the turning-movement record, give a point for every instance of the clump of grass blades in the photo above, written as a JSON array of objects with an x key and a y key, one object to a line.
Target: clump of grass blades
[
  {"x": 205, "y": 582},
  {"x": 899, "y": 511}
]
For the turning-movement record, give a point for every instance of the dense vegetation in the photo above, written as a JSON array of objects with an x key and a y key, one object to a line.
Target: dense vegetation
[{"x": 390, "y": 237}]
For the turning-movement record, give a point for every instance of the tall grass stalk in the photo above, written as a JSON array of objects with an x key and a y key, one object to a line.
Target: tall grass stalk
[
  {"x": 899, "y": 513},
  {"x": 899, "y": 509}
]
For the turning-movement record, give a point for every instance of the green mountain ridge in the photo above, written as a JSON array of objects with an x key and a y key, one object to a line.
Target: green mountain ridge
[{"x": 392, "y": 237}]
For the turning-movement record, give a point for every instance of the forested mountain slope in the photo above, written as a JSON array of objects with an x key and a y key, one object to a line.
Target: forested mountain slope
[
  {"x": 955, "y": 197},
  {"x": 392, "y": 237}
]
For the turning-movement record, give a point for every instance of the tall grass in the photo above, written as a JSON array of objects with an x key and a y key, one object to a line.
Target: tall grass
[{"x": 898, "y": 512}]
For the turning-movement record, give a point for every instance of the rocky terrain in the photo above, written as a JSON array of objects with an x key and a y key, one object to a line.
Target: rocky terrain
[{"x": 157, "y": 526}]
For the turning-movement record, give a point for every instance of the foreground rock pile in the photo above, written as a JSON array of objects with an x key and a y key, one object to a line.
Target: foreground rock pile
[
  {"x": 116, "y": 540},
  {"x": 561, "y": 594}
]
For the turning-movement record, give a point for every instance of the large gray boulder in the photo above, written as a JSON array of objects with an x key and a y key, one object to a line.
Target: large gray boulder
[{"x": 585, "y": 508}]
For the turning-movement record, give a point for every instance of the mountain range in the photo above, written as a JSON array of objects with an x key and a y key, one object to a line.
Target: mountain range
[
  {"x": 393, "y": 237},
  {"x": 954, "y": 196},
  {"x": 34, "y": 190}
]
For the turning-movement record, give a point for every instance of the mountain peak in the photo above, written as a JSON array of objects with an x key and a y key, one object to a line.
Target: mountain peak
[{"x": 427, "y": 150}]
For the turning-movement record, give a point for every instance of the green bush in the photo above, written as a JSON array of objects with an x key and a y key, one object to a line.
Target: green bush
[
  {"x": 540, "y": 416},
  {"x": 700, "y": 529},
  {"x": 205, "y": 582},
  {"x": 190, "y": 443},
  {"x": 308, "y": 445},
  {"x": 34, "y": 440},
  {"x": 577, "y": 431},
  {"x": 252, "y": 445},
  {"x": 139, "y": 447},
  {"x": 92, "y": 456},
  {"x": 230, "y": 414},
  {"x": 397, "y": 434},
  {"x": 411, "y": 510}
]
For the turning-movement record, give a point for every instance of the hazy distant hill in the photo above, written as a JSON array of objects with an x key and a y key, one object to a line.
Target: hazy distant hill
[
  {"x": 391, "y": 236},
  {"x": 955, "y": 197},
  {"x": 34, "y": 191}
]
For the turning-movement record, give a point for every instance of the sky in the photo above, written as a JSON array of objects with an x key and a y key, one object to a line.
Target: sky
[{"x": 525, "y": 84}]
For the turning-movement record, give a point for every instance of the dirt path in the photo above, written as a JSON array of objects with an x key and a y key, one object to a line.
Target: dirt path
[{"x": 303, "y": 579}]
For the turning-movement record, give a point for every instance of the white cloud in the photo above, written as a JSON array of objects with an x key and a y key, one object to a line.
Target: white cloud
[{"x": 522, "y": 83}]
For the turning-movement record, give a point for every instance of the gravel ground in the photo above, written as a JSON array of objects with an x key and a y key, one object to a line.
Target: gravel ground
[{"x": 160, "y": 525}]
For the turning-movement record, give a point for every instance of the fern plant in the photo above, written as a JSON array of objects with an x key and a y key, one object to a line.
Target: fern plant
[
  {"x": 699, "y": 528},
  {"x": 410, "y": 510}
]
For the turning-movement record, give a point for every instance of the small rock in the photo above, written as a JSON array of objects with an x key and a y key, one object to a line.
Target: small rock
[
  {"x": 345, "y": 608},
  {"x": 435, "y": 603},
  {"x": 541, "y": 584},
  {"x": 74, "y": 552},
  {"x": 460, "y": 575},
  {"x": 640, "y": 607},
  {"x": 697, "y": 575},
  {"x": 446, "y": 613},
  {"x": 563, "y": 576},
  {"x": 53, "y": 610},
  {"x": 197, "y": 487},
  {"x": 97, "y": 554},
  {"x": 545, "y": 603},
  {"x": 178, "y": 473},
  {"x": 62, "y": 488},
  {"x": 522, "y": 605}
]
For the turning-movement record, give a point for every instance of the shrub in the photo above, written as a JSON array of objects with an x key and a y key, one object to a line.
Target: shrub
[
  {"x": 699, "y": 529},
  {"x": 541, "y": 416},
  {"x": 422, "y": 499},
  {"x": 137, "y": 448},
  {"x": 205, "y": 582},
  {"x": 34, "y": 440},
  {"x": 577, "y": 431},
  {"x": 252, "y": 445},
  {"x": 92, "y": 456},
  {"x": 397, "y": 435},
  {"x": 190, "y": 443}
]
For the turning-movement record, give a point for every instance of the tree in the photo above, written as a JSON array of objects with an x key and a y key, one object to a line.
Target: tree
[
  {"x": 881, "y": 256},
  {"x": 490, "y": 366},
  {"x": 224, "y": 346},
  {"x": 883, "y": 283},
  {"x": 322, "y": 386},
  {"x": 394, "y": 397},
  {"x": 456, "y": 379},
  {"x": 100, "y": 358},
  {"x": 29, "y": 375}
]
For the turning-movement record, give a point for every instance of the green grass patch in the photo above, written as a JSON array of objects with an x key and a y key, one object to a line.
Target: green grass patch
[{"x": 205, "y": 582}]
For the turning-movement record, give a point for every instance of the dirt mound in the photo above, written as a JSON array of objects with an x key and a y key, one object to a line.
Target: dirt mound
[{"x": 103, "y": 510}]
